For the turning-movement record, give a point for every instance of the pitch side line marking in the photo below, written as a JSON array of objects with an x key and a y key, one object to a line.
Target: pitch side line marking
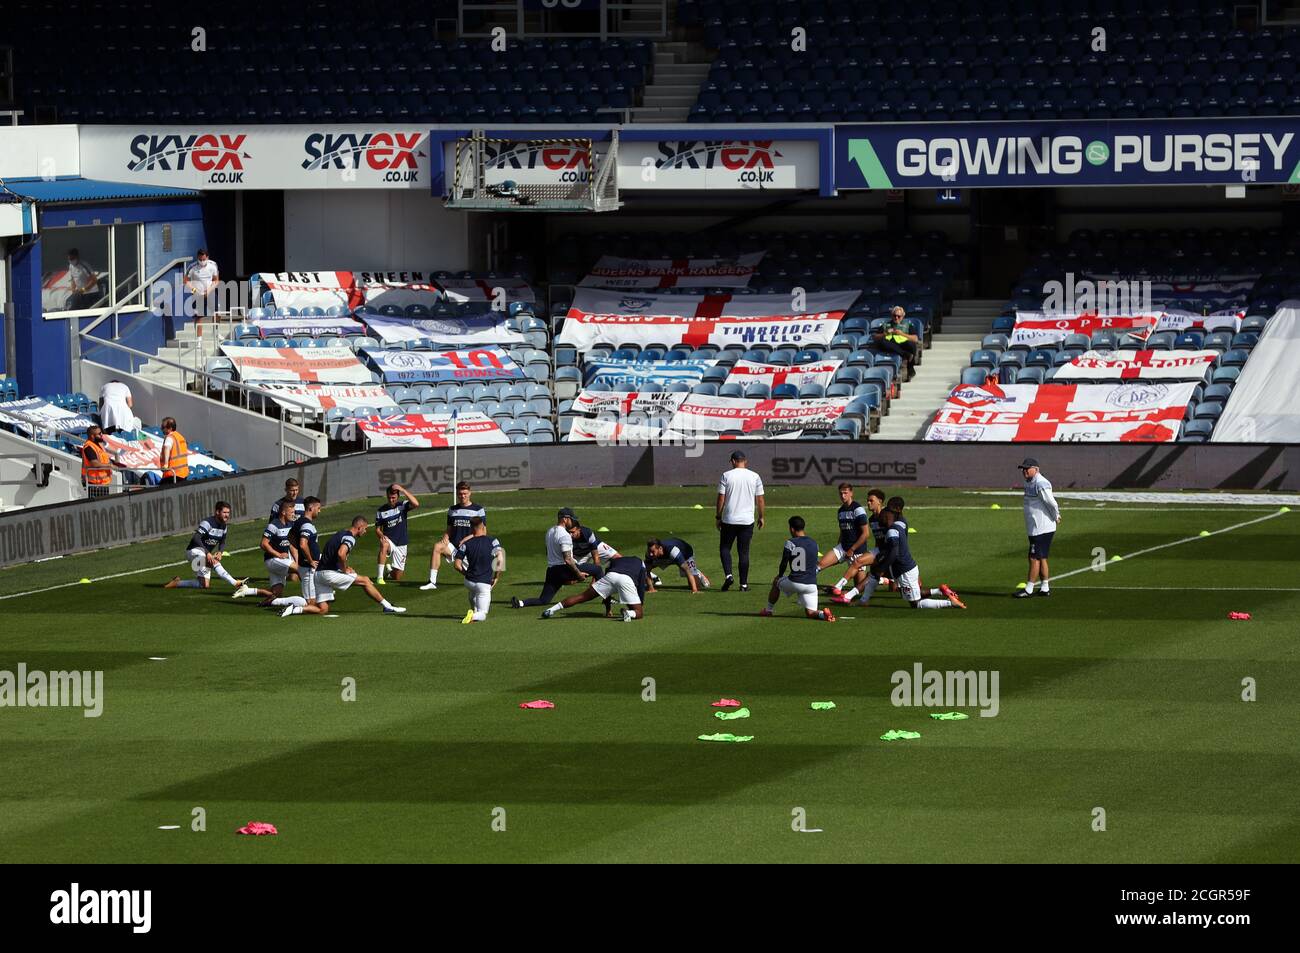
[{"x": 1177, "y": 542}]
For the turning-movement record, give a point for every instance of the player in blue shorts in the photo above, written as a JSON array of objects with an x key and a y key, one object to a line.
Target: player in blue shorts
[
  {"x": 390, "y": 527},
  {"x": 799, "y": 557}
]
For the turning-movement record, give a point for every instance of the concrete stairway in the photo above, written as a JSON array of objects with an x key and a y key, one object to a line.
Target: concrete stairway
[
  {"x": 973, "y": 315},
  {"x": 680, "y": 67},
  {"x": 186, "y": 348},
  {"x": 940, "y": 369}
]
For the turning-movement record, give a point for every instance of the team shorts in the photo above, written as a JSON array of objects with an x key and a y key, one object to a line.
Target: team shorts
[
  {"x": 618, "y": 585},
  {"x": 397, "y": 556},
  {"x": 842, "y": 556},
  {"x": 1040, "y": 545},
  {"x": 279, "y": 569},
  {"x": 689, "y": 567},
  {"x": 307, "y": 576},
  {"x": 909, "y": 584},
  {"x": 327, "y": 582},
  {"x": 806, "y": 591},
  {"x": 199, "y": 563},
  {"x": 480, "y": 595}
]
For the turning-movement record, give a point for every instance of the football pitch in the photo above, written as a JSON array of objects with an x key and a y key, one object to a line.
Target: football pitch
[{"x": 1123, "y": 691}]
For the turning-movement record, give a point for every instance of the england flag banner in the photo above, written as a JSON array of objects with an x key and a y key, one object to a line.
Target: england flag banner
[
  {"x": 1036, "y": 328},
  {"x": 22, "y": 415},
  {"x": 756, "y": 417},
  {"x": 436, "y": 367},
  {"x": 1065, "y": 413},
  {"x": 312, "y": 327},
  {"x": 313, "y": 365},
  {"x": 649, "y": 375},
  {"x": 352, "y": 289},
  {"x": 432, "y": 430},
  {"x": 637, "y": 404},
  {"x": 474, "y": 330},
  {"x": 140, "y": 454},
  {"x": 752, "y": 372},
  {"x": 318, "y": 398},
  {"x": 614, "y": 272},
  {"x": 610, "y": 318},
  {"x": 1137, "y": 366},
  {"x": 604, "y": 431}
]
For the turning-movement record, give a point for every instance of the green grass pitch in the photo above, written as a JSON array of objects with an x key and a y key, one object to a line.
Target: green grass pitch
[{"x": 1123, "y": 691}]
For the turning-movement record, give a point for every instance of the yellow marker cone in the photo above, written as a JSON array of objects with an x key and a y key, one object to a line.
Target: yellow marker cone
[
  {"x": 911, "y": 529},
  {"x": 1285, "y": 509},
  {"x": 85, "y": 582},
  {"x": 1020, "y": 585},
  {"x": 603, "y": 529},
  {"x": 1116, "y": 559},
  {"x": 996, "y": 506},
  {"x": 699, "y": 506},
  {"x": 1205, "y": 532}
]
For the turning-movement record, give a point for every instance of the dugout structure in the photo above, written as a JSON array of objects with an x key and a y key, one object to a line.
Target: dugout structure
[{"x": 556, "y": 175}]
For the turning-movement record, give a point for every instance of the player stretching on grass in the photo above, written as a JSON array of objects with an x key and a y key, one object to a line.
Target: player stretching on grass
[
  {"x": 458, "y": 516},
  {"x": 390, "y": 527},
  {"x": 481, "y": 560},
  {"x": 277, "y": 553},
  {"x": 205, "y": 551},
  {"x": 855, "y": 534},
  {"x": 680, "y": 553},
  {"x": 624, "y": 580},
  {"x": 334, "y": 575},
  {"x": 800, "y": 558},
  {"x": 305, "y": 542},
  {"x": 896, "y": 560}
]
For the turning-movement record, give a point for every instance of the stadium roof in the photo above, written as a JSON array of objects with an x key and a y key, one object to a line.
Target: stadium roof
[{"x": 73, "y": 188}]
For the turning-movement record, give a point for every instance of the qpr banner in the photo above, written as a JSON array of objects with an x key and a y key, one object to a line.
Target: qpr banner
[
  {"x": 1067, "y": 413},
  {"x": 436, "y": 367},
  {"x": 478, "y": 329},
  {"x": 649, "y": 404},
  {"x": 610, "y": 318},
  {"x": 646, "y": 374},
  {"x": 757, "y": 417},
  {"x": 1137, "y": 365},
  {"x": 472, "y": 429},
  {"x": 316, "y": 365},
  {"x": 752, "y": 372},
  {"x": 1035, "y": 328},
  {"x": 614, "y": 272}
]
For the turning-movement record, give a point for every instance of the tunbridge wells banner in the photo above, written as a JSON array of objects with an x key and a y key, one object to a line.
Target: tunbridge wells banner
[
  {"x": 1121, "y": 413},
  {"x": 611, "y": 318}
]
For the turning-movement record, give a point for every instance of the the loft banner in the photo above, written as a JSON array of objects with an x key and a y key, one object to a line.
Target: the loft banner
[{"x": 1233, "y": 151}]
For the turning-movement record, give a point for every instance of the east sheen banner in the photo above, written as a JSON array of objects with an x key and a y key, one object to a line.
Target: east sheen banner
[
  {"x": 611, "y": 318},
  {"x": 313, "y": 327},
  {"x": 614, "y": 272},
  {"x": 319, "y": 398},
  {"x": 432, "y": 430},
  {"x": 434, "y": 367},
  {"x": 646, "y": 374},
  {"x": 758, "y": 417},
  {"x": 315, "y": 365},
  {"x": 352, "y": 289},
  {"x": 488, "y": 328},
  {"x": 637, "y": 404},
  {"x": 752, "y": 372},
  {"x": 1137, "y": 365},
  {"x": 1072, "y": 413}
]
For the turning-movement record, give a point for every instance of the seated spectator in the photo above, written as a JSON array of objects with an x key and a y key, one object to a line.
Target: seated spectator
[
  {"x": 115, "y": 407},
  {"x": 895, "y": 338}
]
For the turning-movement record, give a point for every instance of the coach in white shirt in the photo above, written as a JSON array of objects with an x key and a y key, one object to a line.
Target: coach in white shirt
[
  {"x": 1042, "y": 514},
  {"x": 561, "y": 567},
  {"x": 201, "y": 281},
  {"x": 740, "y": 492},
  {"x": 115, "y": 405}
]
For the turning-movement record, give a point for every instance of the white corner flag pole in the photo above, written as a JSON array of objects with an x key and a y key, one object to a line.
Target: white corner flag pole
[{"x": 455, "y": 449}]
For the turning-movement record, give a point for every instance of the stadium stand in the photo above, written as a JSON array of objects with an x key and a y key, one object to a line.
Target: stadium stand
[{"x": 1026, "y": 59}]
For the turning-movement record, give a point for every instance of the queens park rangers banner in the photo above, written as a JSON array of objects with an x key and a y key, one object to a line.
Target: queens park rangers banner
[
  {"x": 614, "y": 272},
  {"x": 637, "y": 404},
  {"x": 314, "y": 365},
  {"x": 1075, "y": 413},
  {"x": 314, "y": 327},
  {"x": 352, "y": 289},
  {"x": 752, "y": 372},
  {"x": 488, "y": 363},
  {"x": 318, "y": 398},
  {"x": 432, "y": 430},
  {"x": 756, "y": 417},
  {"x": 646, "y": 374},
  {"x": 611, "y": 318},
  {"x": 473, "y": 330},
  {"x": 1034, "y": 328},
  {"x": 1137, "y": 366}
]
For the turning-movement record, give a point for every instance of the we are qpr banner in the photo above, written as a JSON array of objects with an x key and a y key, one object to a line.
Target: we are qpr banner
[
  {"x": 607, "y": 317},
  {"x": 433, "y": 367},
  {"x": 1137, "y": 365},
  {"x": 752, "y": 372},
  {"x": 487, "y": 328},
  {"x": 432, "y": 430},
  {"x": 760, "y": 417},
  {"x": 317, "y": 365},
  {"x": 614, "y": 272},
  {"x": 636, "y": 404},
  {"x": 319, "y": 398},
  {"x": 1117, "y": 413}
]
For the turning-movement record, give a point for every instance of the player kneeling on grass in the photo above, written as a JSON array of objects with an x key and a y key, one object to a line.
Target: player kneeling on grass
[
  {"x": 482, "y": 560},
  {"x": 896, "y": 560},
  {"x": 277, "y": 553},
  {"x": 390, "y": 527},
  {"x": 334, "y": 575},
  {"x": 205, "y": 551},
  {"x": 304, "y": 539},
  {"x": 800, "y": 558},
  {"x": 679, "y": 553},
  {"x": 624, "y": 580}
]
